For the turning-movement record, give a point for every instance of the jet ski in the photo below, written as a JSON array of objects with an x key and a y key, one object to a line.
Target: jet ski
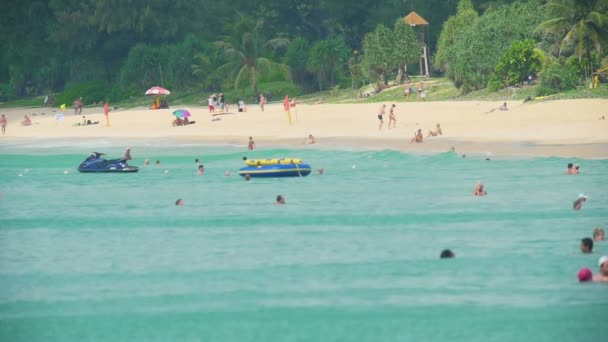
[{"x": 95, "y": 163}]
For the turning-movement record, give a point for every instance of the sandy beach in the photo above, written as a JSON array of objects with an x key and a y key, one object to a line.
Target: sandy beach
[{"x": 565, "y": 128}]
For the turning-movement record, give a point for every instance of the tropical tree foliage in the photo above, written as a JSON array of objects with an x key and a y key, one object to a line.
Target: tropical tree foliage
[
  {"x": 580, "y": 24},
  {"x": 246, "y": 63},
  {"x": 452, "y": 30},
  {"x": 519, "y": 61},
  {"x": 327, "y": 59}
]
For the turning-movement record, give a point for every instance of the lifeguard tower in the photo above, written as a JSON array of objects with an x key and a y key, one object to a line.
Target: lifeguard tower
[{"x": 420, "y": 26}]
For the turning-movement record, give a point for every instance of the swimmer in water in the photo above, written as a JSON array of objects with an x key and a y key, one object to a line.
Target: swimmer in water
[
  {"x": 179, "y": 202},
  {"x": 598, "y": 234},
  {"x": 147, "y": 162},
  {"x": 447, "y": 254},
  {"x": 201, "y": 169},
  {"x": 578, "y": 204},
  {"x": 587, "y": 246},
  {"x": 479, "y": 191},
  {"x": 280, "y": 200}
]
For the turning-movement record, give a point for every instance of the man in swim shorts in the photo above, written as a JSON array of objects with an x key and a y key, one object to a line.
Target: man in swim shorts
[{"x": 380, "y": 115}]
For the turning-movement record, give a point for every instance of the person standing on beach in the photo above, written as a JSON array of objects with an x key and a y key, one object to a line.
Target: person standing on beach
[
  {"x": 251, "y": 145},
  {"x": 211, "y": 105},
  {"x": 262, "y": 101},
  {"x": 222, "y": 102},
  {"x": 78, "y": 104},
  {"x": 381, "y": 115},
  {"x": 391, "y": 117},
  {"x": 3, "y": 124}
]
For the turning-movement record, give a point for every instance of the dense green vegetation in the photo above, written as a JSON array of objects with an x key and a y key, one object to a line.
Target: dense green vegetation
[{"x": 115, "y": 49}]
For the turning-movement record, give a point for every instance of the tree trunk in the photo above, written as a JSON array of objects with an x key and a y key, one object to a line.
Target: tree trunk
[{"x": 254, "y": 82}]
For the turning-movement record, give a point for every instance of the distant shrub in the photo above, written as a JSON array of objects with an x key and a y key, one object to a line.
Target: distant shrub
[
  {"x": 7, "y": 92},
  {"x": 556, "y": 78},
  {"x": 495, "y": 83},
  {"x": 90, "y": 91},
  {"x": 274, "y": 91}
]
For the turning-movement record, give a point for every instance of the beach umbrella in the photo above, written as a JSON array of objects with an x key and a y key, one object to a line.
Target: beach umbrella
[
  {"x": 286, "y": 107},
  {"x": 181, "y": 113},
  {"x": 157, "y": 91}
]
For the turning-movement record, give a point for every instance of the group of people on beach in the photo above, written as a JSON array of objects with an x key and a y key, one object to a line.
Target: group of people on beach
[
  {"x": 392, "y": 123},
  {"x": 214, "y": 100},
  {"x": 409, "y": 91}
]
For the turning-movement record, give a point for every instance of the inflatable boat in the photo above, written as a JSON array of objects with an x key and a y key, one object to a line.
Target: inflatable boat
[
  {"x": 96, "y": 164},
  {"x": 287, "y": 167}
]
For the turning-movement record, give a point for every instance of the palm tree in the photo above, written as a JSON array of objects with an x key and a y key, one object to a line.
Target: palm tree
[
  {"x": 579, "y": 22},
  {"x": 246, "y": 62}
]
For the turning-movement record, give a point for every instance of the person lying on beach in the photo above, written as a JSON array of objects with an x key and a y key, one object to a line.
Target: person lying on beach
[
  {"x": 435, "y": 132},
  {"x": 598, "y": 234},
  {"x": 479, "y": 191},
  {"x": 280, "y": 200},
  {"x": 26, "y": 121},
  {"x": 587, "y": 246},
  {"x": 603, "y": 276},
  {"x": 417, "y": 137},
  {"x": 578, "y": 204},
  {"x": 311, "y": 140},
  {"x": 503, "y": 107}
]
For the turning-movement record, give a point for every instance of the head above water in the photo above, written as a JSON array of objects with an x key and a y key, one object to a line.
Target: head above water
[
  {"x": 603, "y": 264},
  {"x": 179, "y": 202},
  {"x": 570, "y": 165},
  {"x": 280, "y": 199},
  {"x": 598, "y": 234},
  {"x": 587, "y": 245},
  {"x": 447, "y": 254}
]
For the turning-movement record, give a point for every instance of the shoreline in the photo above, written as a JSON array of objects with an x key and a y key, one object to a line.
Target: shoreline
[
  {"x": 561, "y": 128},
  {"x": 493, "y": 149}
]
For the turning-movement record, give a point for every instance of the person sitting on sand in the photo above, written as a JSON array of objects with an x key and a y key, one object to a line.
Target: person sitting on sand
[
  {"x": 578, "y": 204},
  {"x": 178, "y": 122},
  {"x": 242, "y": 107},
  {"x": 26, "y": 121},
  {"x": 311, "y": 140},
  {"x": 251, "y": 144},
  {"x": 447, "y": 254},
  {"x": 587, "y": 246},
  {"x": 435, "y": 132},
  {"x": 503, "y": 107},
  {"x": 417, "y": 137},
  {"x": 280, "y": 200},
  {"x": 598, "y": 234},
  {"x": 603, "y": 275},
  {"x": 479, "y": 191}
]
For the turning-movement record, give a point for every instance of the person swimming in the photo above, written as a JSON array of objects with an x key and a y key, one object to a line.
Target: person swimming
[
  {"x": 479, "y": 191},
  {"x": 280, "y": 200},
  {"x": 201, "y": 169},
  {"x": 578, "y": 204},
  {"x": 598, "y": 234}
]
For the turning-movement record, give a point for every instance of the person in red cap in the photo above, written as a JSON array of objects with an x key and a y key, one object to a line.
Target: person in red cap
[{"x": 585, "y": 275}]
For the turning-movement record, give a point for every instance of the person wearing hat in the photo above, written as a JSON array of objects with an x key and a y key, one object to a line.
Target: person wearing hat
[
  {"x": 603, "y": 275},
  {"x": 578, "y": 204}
]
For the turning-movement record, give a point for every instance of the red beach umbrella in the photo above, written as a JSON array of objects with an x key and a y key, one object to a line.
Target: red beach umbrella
[{"x": 157, "y": 91}]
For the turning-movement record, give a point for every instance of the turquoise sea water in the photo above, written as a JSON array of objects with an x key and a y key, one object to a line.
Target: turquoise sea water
[{"x": 352, "y": 256}]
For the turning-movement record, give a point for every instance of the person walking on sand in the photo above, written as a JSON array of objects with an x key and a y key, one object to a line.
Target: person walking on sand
[
  {"x": 435, "y": 132},
  {"x": 251, "y": 145},
  {"x": 381, "y": 115},
  {"x": 3, "y": 124},
  {"x": 421, "y": 94},
  {"x": 391, "y": 117},
  {"x": 262, "y": 101}
]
